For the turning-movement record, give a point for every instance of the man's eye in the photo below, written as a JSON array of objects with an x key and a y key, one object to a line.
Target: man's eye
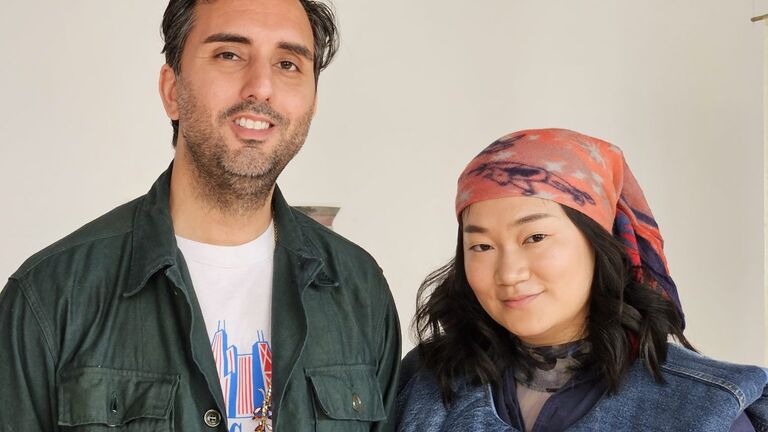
[
  {"x": 228, "y": 56},
  {"x": 287, "y": 65},
  {"x": 480, "y": 248},
  {"x": 535, "y": 238}
]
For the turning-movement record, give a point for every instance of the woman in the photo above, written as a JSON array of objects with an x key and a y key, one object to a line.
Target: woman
[{"x": 556, "y": 312}]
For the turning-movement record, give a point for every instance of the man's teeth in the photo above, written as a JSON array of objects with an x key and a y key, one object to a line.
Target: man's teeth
[{"x": 252, "y": 124}]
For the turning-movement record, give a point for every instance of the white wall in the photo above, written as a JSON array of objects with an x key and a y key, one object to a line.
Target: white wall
[
  {"x": 765, "y": 172},
  {"x": 419, "y": 87}
]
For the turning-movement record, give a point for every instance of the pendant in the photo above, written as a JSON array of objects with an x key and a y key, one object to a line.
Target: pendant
[{"x": 263, "y": 414}]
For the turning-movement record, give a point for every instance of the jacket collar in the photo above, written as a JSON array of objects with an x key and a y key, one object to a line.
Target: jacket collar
[
  {"x": 154, "y": 243},
  {"x": 290, "y": 235},
  {"x": 288, "y": 230}
]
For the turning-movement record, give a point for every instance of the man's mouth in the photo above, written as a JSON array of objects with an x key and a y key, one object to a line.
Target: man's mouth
[{"x": 247, "y": 123}]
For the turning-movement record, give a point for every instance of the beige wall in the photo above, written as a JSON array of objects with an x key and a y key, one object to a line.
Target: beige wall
[
  {"x": 765, "y": 176},
  {"x": 418, "y": 88}
]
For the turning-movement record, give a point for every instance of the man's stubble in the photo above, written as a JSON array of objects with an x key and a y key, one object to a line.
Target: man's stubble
[{"x": 235, "y": 182}]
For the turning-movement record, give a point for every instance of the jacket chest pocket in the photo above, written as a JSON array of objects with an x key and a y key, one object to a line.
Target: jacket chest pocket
[
  {"x": 347, "y": 398},
  {"x": 102, "y": 399}
]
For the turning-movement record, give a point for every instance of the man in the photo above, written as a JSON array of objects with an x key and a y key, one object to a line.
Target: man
[{"x": 169, "y": 312}]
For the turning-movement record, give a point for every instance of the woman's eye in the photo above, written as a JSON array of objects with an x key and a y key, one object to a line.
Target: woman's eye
[
  {"x": 287, "y": 65},
  {"x": 227, "y": 56},
  {"x": 480, "y": 248},
  {"x": 535, "y": 238}
]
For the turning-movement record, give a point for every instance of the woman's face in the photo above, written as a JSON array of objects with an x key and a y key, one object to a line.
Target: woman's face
[{"x": 530, "y": 267}]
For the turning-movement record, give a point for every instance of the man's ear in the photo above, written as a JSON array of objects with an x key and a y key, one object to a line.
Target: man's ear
[{"x": 167, "y": 86}]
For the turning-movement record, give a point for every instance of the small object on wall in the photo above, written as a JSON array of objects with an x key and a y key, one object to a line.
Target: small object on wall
[{"x": 322, "y": 214}]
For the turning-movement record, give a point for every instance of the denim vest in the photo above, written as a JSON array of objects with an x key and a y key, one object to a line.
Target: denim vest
[{"x": 700, "y": 394}]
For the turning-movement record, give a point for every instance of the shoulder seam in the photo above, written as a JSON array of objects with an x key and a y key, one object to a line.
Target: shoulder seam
[
  {"x": 730, "y": 388},
  {"x": 56, "y": 248},
  {"x": 43, "y": 324},
  {"x": 55, "y": 252}
]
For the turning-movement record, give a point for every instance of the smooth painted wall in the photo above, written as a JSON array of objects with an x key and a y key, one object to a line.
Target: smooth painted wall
[{"x": 418, "y": 88}]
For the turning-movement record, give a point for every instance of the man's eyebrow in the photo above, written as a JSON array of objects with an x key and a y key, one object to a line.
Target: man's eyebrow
[
  {"x": 227, "y": 37},
  {"x": 294, "y": 48},
  {"x": 474, "y": 229},
  {"x": 297, "y": 49}
]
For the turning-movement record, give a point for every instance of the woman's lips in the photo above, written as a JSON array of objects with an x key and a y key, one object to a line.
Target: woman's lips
[{"x": 520, "y": 301}]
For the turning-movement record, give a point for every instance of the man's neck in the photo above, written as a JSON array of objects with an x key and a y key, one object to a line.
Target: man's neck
[{"x": 195, "y": 218}]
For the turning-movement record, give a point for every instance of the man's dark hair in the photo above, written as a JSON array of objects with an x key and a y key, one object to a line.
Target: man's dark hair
[
  {"x": 180, "y": 16},
  {"x": 626, "y": 321}
]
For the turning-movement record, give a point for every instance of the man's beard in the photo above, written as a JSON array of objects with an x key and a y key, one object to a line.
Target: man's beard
[{"x": 236, "y": 182}]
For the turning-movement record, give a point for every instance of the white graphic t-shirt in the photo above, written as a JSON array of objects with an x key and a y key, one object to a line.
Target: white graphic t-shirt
[{"x": 234, "y": 287}]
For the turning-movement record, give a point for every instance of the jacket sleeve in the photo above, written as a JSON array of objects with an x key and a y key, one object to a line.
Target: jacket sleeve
[
  {"x": 27, "y": 367},
  {"x": 389, "y": 361}
]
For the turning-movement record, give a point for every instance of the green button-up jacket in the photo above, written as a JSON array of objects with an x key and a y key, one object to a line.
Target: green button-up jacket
[{"x": 102, "y": 331}]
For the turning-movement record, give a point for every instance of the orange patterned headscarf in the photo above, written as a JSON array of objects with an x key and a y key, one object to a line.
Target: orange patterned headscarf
[{"x": 584, "y": 173}]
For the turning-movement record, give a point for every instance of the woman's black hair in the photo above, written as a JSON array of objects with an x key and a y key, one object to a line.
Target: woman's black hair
[{"x": 627, "y": 320}]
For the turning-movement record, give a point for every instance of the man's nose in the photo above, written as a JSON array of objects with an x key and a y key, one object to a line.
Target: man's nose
[{"x": 258, "y": 82}]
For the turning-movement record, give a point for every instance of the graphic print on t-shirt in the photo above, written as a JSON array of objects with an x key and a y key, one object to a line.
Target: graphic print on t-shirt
[
  {"x": 245, "y": 374},
  {"x": 233, "y": 285}
]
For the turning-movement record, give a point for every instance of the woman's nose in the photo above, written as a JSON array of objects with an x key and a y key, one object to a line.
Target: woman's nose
[{"x": 511, "y": 268}]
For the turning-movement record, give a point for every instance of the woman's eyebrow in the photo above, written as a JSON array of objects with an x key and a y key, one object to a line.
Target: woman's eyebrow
[
  {"x": 530, "y": 218},
  {"x": 472, "y": 229},
  {"x": 475, "y": 229}
]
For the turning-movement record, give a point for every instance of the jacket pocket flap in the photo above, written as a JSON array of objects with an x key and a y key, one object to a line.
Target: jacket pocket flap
[
  {"x": 348, "y": 392},
  {"x": 113, "y": 396}
]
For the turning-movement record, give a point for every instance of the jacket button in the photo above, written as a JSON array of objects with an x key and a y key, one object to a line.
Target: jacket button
[
  {"x": 357, "y": 403},
  {"x": 212, "y": 418}
]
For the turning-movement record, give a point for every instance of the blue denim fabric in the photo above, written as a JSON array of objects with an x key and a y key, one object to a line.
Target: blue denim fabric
[{"x": 700, "y": 394}]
